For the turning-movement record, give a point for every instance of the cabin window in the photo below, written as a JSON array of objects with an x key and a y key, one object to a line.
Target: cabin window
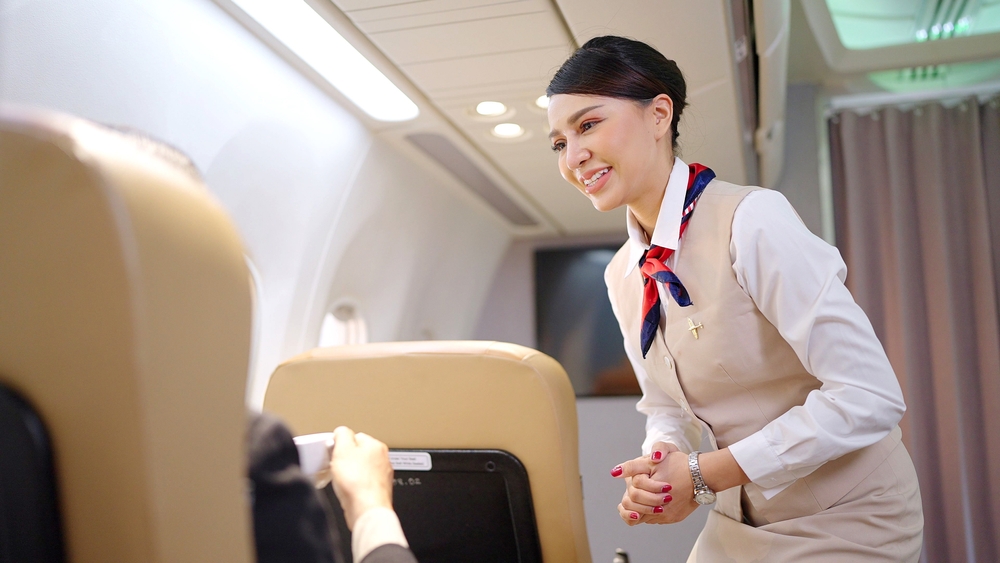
[{"x": 343, "y": 325}]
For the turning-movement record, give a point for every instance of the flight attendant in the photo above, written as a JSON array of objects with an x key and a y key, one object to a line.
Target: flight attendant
[{"x": 737, "y": 323}]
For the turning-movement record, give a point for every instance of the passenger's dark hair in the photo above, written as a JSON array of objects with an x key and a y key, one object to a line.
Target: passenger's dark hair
[{"x": 617, "y": 67}]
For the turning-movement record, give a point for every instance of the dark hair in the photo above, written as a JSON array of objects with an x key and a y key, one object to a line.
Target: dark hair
[{"x": 617, "y": 67}]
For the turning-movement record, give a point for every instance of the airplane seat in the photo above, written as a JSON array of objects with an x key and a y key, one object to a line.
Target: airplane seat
[
  {"x": 454, "y": 396},
  {"x": 125, "y": 317}
]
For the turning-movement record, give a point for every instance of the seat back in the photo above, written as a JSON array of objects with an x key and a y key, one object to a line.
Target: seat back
[
  {"x": 451, "y": 395},
  {"x": 125, "y": 322}
]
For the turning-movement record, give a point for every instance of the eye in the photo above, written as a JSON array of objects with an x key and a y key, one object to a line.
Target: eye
[
  {"x": 587, "y": 125},
  {"x": 558, "y": 146}
]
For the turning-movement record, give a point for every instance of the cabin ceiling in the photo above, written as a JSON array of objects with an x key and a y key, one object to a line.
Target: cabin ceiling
[
  {"x": 462, "y": 52},
  {"x": 457, "y": 53}
]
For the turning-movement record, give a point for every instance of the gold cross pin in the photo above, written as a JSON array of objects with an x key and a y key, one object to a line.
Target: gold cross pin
[{"x": 694, "y": 328}]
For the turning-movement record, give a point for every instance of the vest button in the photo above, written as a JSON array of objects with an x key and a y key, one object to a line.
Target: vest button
[{"x": 669, "y": 362}]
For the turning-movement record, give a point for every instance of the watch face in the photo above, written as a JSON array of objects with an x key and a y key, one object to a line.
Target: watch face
[{"x": 704, "y": 498}]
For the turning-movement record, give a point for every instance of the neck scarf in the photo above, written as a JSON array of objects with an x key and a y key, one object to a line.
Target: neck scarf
[{"x": 653, "y": 265}]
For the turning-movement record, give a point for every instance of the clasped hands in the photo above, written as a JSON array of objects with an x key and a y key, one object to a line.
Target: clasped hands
[{"x": 658, "y": 489}]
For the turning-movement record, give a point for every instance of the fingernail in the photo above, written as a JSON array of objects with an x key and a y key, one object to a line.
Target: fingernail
[
  {"x": 633, "y": 515},
  {"x": 616, "y": 471},
  {"x": 657, "y": 455},
  {"x": 667, "y": 498},
  {"x": 657, "y": 509},
  {"x": 666, "y": 488}
]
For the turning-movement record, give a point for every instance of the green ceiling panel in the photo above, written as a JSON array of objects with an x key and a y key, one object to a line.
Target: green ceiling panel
[{"x": 869, "y": 24}]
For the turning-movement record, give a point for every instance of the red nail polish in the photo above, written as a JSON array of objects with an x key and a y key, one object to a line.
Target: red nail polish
[
  {"x": 616, "y": 471},
  {"x": 667, "y": 498},
  {"x": 657, "y": 455},
  {"x": 657, "y": 509},
  {"x": 666, "y": 488},
  {"x": 633, "y": 515}
]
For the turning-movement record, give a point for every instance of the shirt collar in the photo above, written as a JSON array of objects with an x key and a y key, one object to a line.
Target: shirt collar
[{"x": 668, "y": 220}]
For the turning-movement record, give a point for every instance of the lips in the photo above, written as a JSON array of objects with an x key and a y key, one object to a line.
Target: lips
[{"x": 593, "y": 183}]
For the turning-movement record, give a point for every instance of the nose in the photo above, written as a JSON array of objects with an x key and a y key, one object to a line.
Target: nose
[{"x": 576, "y": 154}]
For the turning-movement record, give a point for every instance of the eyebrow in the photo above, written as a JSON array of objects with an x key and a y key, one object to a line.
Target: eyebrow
[{"x": 575, "y": 117}]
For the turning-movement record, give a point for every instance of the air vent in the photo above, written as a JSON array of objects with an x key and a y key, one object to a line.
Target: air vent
[{"x": 447, "y": 154}]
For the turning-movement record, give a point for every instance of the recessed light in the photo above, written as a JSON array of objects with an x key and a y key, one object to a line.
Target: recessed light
[
  {"x": 491, "y": 109},
  {"x": 508, "y": 130},
  {"x": 542, "y": 102}
]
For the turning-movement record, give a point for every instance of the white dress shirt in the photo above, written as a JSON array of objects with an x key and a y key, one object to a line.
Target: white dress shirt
[{"x": 797, "y": 282}]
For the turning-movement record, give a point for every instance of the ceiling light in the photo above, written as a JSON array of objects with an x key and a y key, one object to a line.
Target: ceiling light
[
  {"x": 314, "y": 41},
  {"x": 491, "y": 109},
  {"x": 929, "y": 77},
  {"x": 508, "y": 130},
  {"x": 542, "y": 102},
  {"x": 871, "y": 25}
]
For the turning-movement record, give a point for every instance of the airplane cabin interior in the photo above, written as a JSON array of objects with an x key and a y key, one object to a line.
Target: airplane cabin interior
[{"x": 349, "y": 213}]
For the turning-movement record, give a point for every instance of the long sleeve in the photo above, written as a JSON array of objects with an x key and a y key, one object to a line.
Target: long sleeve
[
  {"x": 666, "y": 421},
  {"x": 797, "y": 282},
  {"x": 376, "y": 535},
  {"x": 390, "y": 553}
]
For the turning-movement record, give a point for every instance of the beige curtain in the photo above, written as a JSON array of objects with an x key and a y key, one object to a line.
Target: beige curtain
[{"x": 917, "y": 205}]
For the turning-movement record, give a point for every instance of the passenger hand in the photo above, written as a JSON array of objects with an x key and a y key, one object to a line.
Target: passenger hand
[{"x": 362, "y": 474}]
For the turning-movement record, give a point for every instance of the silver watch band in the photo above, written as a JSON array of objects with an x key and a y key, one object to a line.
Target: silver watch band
[{"x": 702, "y": 494}]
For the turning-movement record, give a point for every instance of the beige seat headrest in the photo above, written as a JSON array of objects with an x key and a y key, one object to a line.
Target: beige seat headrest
[{"x": 125, "y": 321}]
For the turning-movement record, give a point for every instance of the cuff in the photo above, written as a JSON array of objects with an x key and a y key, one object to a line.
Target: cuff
[
  {"x": 373, "y": 529},
  {"x": 761, "y": 464}
]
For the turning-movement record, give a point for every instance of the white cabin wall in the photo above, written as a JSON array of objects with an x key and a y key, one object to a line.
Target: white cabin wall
[
  {"x": 509, "y": 312},
  {"x": 416, "y": 262},
  {"x": 320, "y": 202}
]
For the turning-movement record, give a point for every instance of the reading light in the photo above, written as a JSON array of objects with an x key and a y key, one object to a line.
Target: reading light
[
  {"x": 508, "y": 130},
  {"x": 491, "y": 109},
  {"x": 542, "y": 102},
  {"x": 313, "y": 40}
]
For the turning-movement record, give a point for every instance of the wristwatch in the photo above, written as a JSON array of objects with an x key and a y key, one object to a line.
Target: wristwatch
[{"x": 702, "y": 494}]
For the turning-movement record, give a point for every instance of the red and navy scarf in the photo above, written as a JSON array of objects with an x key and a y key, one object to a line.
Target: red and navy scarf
[{"x": 653, "y": 265}]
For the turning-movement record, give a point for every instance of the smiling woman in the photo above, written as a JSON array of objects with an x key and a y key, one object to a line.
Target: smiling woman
[
  {"x": 746, "y": 332},
  {"x": 605, "y": 152}
]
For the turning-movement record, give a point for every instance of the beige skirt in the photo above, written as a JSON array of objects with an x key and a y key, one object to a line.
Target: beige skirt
[{"x": 879, "y": 520}]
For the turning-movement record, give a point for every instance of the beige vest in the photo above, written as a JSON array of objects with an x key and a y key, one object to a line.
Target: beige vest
[{"x": 739, "y": 374}]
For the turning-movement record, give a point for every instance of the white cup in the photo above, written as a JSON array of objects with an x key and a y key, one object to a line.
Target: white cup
[{"x": 314, "y": 455}]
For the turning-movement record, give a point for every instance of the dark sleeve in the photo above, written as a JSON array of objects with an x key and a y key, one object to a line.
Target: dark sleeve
[
  {"x": 390, "y": 553},
  {"x": 290, "y": 523}
]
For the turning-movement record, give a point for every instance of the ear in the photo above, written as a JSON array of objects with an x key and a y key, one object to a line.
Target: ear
[{"x": 662, "y": 113}]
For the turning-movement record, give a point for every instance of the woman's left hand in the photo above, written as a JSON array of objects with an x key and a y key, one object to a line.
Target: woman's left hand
[{"x": 644, "y": 485}]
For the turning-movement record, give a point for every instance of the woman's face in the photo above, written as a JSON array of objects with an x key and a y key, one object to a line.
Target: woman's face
[{"x": 612, "y": 149}]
